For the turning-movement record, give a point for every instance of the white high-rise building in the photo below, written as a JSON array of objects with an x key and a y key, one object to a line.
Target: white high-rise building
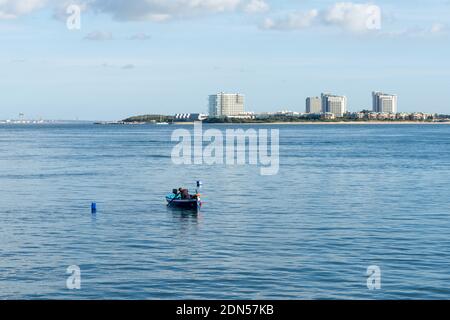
[
  {"x": 384, "y": 103},
  {"x": 226, "y": 104},
  {"x": 336, "y": 105},
  {"x": 313, "y": 105}
]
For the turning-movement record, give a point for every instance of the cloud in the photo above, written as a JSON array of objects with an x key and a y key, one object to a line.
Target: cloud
[
  {"x": 135, "y": 10},
  {"x": 435, "y": 30},
  {"x": 292, "y": 21},
  {"x": 164, "y": 10},
  {"x": 128, "y": 67},
  {"x": 60, "y": 8},
  {"x": 99, "y": 36},
  {"x": 140, "y": 36},
  {"x": 256, "y": 6},
  {"x": 351, "y": 16},
  {"x": 11, "y": 9},
  {"x": 439, "y": 28},
  {"x": 345, "y": 15}
]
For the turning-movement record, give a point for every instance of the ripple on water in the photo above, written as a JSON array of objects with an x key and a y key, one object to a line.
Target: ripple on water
[{"x": 346, "y": 197}]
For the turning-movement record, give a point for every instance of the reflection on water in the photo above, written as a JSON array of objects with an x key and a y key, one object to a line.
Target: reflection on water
[{"x": 186, "y": 218}]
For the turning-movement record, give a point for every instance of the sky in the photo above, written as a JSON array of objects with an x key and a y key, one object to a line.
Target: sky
[{"x": 133, "y": 57}]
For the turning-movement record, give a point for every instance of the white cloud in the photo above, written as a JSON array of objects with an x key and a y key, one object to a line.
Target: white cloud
[
  {"x": 99, "y": 36},
  {"x": 163, "y": 10},
  {"x": 11, "y": 9},
  {"x": 292, "y": 21},
  {"x": 135, "y": 10},
  {"x": 438, "y": 28},
  {"x": 435, "y": 30},
  {"x": 345, "y": 15},
  {"x": 352, "y": 16},
  {"x": 60, "y": 8},
  {"x": 140, "y": 36},
  {"x": 256, "y": 6}
]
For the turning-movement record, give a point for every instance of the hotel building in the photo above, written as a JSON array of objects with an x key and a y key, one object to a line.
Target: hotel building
[
  {"x": 226, "y": 105},
  {"x": 313, "y": 105},
  {"x": 333, "y": 104},
  {"x": 384, "y": 103}
]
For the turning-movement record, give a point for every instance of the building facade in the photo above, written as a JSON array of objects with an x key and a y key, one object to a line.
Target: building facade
[
  {"x": 313, "y": 105},
  {"x": 333, "y": 104},
  {"x": 384, "y": 103},
  {"x": 226, "y": 105},
  {"x": 189, "y": 117}
]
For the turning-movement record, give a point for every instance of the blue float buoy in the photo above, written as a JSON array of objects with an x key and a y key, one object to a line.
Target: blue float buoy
[{"x": 93, "y": 207}]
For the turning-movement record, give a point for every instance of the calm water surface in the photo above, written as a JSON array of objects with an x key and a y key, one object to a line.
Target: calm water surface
[{"x": 346, "y": 197}]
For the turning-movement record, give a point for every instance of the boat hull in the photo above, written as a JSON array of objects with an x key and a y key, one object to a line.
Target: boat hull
[{"x": 188, "y": 204}]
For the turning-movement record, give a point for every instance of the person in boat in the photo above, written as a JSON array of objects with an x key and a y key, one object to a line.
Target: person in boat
[{"x": 184, "y": 193}]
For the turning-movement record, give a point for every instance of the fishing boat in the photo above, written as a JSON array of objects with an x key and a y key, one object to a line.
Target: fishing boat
[{"x": 175, "y": 200}]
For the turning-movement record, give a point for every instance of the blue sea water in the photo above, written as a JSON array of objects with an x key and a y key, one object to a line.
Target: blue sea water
[{"x": 346, "y": 197}]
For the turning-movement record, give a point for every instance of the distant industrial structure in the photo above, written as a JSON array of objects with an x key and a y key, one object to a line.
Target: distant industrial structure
[
  {"x": 226, "y": 105},
  {"x": 384, "y": 103}
]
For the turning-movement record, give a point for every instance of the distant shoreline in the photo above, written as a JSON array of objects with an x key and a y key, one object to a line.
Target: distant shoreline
[
  {"x": 323, "y": 123},
  {"x": 299, "y": 123}
]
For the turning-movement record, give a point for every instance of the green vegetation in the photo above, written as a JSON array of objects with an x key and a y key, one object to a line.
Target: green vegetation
[
  {"x": 267, "y": 120},
  {"x": 280, "y": 118},
  {"x": 290, "y": 119},
  {"x": 149, "y": 118}
]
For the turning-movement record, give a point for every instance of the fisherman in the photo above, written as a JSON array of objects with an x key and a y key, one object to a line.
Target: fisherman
[{"x": 184, "y": 193}]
